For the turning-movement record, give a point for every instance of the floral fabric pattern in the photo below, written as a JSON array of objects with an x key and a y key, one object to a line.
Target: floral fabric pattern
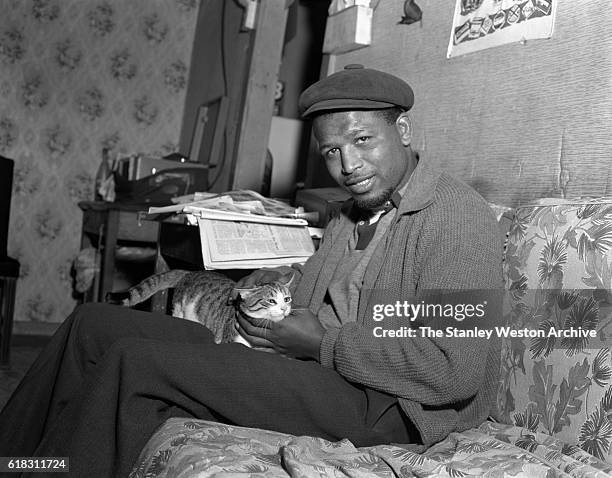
[
  {"x": 190, "y": 448},
  {"x": 77, "y": 77},
  {"x": 558, "y": 274}
]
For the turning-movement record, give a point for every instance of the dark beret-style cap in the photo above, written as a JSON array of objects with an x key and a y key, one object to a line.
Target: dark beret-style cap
[{"x": 356, "y": 87}]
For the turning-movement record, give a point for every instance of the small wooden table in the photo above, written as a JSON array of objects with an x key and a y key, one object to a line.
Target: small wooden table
[{"x": 106, "y": 225}]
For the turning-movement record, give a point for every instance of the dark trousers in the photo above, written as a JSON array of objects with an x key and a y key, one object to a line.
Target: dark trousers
[{"x": 110, "y": 376}]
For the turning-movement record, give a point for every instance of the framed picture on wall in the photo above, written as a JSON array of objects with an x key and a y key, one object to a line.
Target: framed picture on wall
[
  {"x": 478, "y": 25},
  {"x": 207, "y": 139}
]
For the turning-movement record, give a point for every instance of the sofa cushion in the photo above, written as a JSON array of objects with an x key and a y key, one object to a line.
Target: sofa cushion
[
  {"x": 558, "y": 273},
  {"x": 197, "y": 448}
]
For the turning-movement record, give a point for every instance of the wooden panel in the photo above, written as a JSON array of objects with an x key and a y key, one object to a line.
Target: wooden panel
[
  {"x": 219, "y": 67},
  {"x": 518, "y": 122},
  {"x": 259, "y": 104}
]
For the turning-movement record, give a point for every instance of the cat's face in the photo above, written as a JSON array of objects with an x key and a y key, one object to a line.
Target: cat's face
[{"x": 268, "y": 301}]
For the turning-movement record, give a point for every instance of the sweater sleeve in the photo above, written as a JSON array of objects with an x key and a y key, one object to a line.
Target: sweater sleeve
[{"x": 458, "y": 250}]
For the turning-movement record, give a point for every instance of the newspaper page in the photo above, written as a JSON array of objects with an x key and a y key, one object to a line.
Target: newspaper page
[
  {"x": 232, "y": 244},
  {"x": 480, "y": 24}
]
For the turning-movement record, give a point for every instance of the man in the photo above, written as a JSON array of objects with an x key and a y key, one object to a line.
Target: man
[{"x": 111, "y": 376}]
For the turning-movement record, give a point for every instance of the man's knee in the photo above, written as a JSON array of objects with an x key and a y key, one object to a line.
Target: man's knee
[
  {"x": 93, "y": 310},
  {"x": 132, "y": 353},
  {"x": 90, "y": 318},
  {"x": 96, "y": 326}
]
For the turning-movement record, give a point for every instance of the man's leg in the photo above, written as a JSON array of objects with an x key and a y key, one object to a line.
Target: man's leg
[
  {"x": 76, "y": 348},
  {"x": 142, "y": 382}
]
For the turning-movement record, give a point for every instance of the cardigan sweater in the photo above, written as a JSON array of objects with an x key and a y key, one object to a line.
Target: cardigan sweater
[{"x": 443, "y": 237}]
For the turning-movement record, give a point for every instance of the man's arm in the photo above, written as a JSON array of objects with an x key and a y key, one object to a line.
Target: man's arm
[{"x": 459, "y": 250}]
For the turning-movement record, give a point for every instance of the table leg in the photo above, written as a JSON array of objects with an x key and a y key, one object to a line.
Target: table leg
[
  {"x": 90, "y": 294},
  {"x": 109, "y": 243}
]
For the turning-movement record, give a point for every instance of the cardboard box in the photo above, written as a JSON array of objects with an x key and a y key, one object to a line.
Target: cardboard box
[{"x": 348, "y": 30}]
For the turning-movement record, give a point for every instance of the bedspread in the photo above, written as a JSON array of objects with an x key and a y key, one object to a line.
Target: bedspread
[{"x": 197, "y": 448}]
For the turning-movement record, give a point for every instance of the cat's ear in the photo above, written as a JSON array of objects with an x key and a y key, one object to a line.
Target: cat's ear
[
  {"x": 238, "y": 294},
  {"x": 286, "y": 279},
  {"x": 244, "y": 292}
]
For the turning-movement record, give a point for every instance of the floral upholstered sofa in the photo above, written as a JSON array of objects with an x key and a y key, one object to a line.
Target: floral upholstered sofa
[{"x": 555, "y": 393}]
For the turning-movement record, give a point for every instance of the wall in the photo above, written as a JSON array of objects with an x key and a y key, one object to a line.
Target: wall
[
  {"x": 517, "y": 121},
  {"x": 76, "y": 76}
]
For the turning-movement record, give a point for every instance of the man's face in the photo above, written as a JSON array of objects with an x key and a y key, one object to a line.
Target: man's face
[{"x": 364, "y": 153}]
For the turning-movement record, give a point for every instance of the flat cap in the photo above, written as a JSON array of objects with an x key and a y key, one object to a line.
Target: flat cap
[{"x": 356, "y": 87}]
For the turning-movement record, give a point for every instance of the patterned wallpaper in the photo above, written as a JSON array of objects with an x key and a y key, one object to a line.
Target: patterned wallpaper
[{"x": 77, "y": 76}]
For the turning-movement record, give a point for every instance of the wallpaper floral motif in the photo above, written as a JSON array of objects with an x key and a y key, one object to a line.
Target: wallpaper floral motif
[{"x": 77, "y": 76}]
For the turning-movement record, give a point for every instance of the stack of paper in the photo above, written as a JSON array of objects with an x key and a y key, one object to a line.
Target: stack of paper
[{"x": 239, "y": 231}]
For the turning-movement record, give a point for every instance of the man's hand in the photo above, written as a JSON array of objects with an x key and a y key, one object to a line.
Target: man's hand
[
  {"x": 298, "y": 335},
  {"x": 258, "y": 277}
]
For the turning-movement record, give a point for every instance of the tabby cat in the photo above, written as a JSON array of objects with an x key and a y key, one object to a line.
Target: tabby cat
[{"x": 205, "y": 297}]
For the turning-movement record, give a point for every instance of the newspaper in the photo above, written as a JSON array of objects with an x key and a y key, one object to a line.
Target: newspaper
[
  {"x": 244, "y": 230},
  {"x": 251, "y": 245},
  {"x": 237, "y": 205}
]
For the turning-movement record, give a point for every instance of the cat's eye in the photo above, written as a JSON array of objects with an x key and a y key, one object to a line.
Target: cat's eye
[
  {"x": 273, "y": 301},
  {"x": 287, "y": 299}
]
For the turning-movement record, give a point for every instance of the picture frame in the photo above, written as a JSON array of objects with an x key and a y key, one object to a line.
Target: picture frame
[{"x": 208, "y": 130}]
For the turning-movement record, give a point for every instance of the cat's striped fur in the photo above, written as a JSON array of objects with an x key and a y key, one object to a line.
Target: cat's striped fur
[{"x": 205, "y": 297}]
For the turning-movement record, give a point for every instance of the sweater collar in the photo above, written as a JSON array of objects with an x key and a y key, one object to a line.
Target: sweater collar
[{"x": 419, "y": 191}]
